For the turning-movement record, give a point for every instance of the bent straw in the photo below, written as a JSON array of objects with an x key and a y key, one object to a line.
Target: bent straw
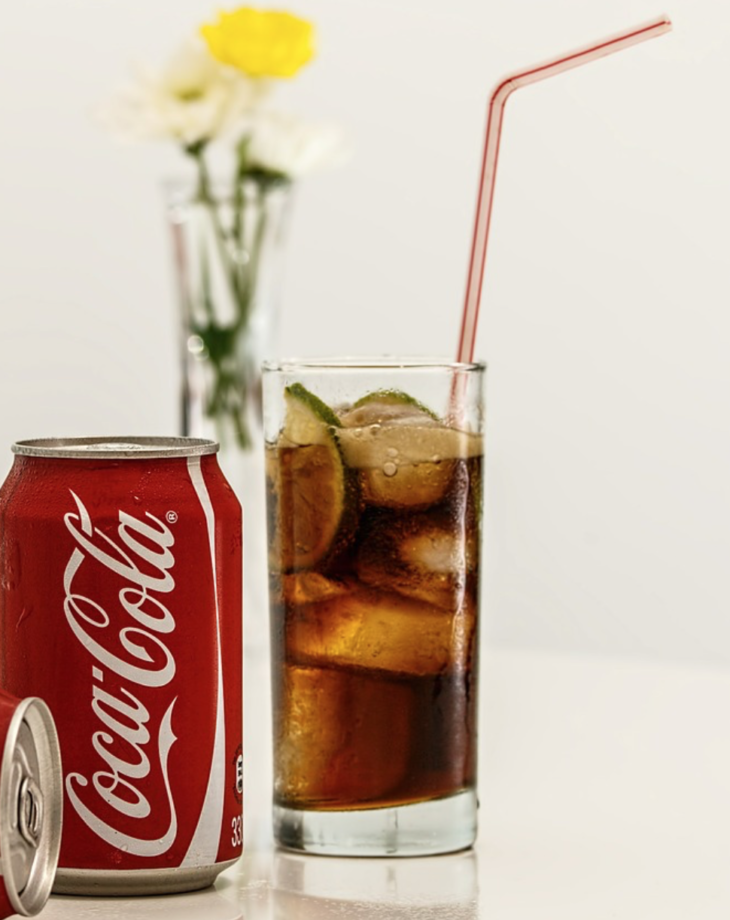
[{"x": 497, "y": 101}]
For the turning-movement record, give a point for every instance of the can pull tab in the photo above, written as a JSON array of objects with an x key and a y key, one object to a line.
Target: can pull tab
[{"x": 30, "y": 811}]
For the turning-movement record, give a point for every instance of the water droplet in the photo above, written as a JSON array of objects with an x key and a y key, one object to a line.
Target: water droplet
[
  {"x": 392, "y": 451},
  {"x": 374, "y": 430},
  {"x": 436, "y": 458},
  {"x": 196, "y": 346},
  {"x": 389, "y": 468}
]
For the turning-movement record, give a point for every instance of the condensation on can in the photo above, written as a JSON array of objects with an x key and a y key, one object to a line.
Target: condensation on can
[
  {"x": 63, "y": 506},
  {"x": 31, "y": 805}
]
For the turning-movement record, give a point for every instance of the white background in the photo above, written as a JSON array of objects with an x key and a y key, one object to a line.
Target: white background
[{"x": 605, "y": 314}]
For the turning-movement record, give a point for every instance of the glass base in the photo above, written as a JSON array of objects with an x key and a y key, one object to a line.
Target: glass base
[{"x": 426, "y": 828}]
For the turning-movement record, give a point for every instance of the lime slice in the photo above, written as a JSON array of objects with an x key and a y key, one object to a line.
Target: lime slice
[
  {"x": 380, "y": 406},
  {"x": 311, "y": 499},
  {"x": 406, "y": 456},
  {"x": 308, "y": 419},
  {"x": 393, "y": 398},
  {"x": 404, "y": 485}
]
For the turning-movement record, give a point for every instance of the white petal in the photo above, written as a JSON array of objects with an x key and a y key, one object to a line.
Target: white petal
[
  {"x": 283, "y": 143},
  {"x": 192, "y": 99}
]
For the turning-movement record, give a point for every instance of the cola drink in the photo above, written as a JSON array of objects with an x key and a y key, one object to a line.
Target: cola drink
[
  {"x": 120, "y": 606},
  {"x": 374, "y": 529}
]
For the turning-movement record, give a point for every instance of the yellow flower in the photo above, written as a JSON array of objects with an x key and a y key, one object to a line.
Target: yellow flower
[{"x": 261, "y": 43}]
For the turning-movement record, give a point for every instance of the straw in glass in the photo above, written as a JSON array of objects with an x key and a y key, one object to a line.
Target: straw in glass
[{"x": 497, "y": 101}]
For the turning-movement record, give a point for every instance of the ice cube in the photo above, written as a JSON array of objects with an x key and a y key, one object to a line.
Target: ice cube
[
  {"x": 423, "y": 556},
  {"x": 382, "y": 631},
  {"x": 438, "y": 551},
  {"x": 310, "y": 587},
  {"x": 342, "y": 738}
]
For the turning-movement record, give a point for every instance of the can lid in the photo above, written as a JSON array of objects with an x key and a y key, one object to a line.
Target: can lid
[
  {"x": 115, "y": 448},
  {"x": 31, "y": 805}
]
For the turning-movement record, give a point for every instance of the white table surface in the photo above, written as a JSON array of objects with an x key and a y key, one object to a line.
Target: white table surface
[{"x": 605, "y": 795}]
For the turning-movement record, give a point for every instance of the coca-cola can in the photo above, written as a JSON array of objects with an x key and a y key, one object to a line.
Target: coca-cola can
[
  {"x": 30, "y": 805},
  {"x": 120, "y": 606}
]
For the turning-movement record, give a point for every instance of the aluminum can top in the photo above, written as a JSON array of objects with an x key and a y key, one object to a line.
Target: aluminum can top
[
  {"x": 115, "y": 448},
  {"x": 30, "y": 804}
]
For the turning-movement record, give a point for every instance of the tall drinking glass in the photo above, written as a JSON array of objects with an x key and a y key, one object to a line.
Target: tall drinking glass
[{"x": 374, "y": 491}]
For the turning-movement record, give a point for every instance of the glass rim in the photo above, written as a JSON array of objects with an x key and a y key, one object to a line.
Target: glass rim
[{"x": 367, "y": 363}]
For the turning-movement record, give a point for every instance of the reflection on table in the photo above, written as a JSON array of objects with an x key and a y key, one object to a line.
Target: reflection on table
[
  {"x": 198, "y": 905},
  {"x": 604, "y": 793},
  {"x": 293, "y": 887}
]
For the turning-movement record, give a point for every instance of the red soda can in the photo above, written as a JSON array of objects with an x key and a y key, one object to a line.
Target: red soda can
[
  {"x": 30, "y": 805},
  {"x": 120, "y": 606}
]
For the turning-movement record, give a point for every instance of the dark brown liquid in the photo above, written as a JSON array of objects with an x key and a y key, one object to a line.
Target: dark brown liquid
[{"x": 374, "y": 647}]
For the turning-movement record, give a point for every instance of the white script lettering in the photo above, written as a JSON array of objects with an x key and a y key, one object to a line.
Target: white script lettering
[{"x": 141, "y": 658}]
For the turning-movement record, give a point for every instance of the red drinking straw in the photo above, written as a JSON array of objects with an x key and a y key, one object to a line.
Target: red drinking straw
[{"x": 497, "y": 101}]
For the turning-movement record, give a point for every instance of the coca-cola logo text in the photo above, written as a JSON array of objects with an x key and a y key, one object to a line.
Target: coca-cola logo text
[{"x": 126, "y": 643}]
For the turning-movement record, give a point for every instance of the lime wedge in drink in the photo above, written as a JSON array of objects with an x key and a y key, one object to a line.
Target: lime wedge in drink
[
  {"x": 385, "y": 405},
  {"x": 312, "y": 495},
  {"x": 308, "y": 419},
  {"x": 405, "y": 454}
]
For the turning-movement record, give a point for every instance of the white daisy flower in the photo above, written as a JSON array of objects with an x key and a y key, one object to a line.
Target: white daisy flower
[{"x": 192, "y": 99}]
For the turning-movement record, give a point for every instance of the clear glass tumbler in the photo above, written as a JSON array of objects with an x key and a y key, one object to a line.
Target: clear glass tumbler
[{"x": 374, "y": 498}]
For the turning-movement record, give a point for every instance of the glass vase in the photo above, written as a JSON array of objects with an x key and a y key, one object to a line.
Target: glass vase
[{"x": 228, "y": 248}]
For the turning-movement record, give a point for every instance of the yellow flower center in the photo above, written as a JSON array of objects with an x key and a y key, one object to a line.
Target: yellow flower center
[{"x": 261, "y": 43}]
